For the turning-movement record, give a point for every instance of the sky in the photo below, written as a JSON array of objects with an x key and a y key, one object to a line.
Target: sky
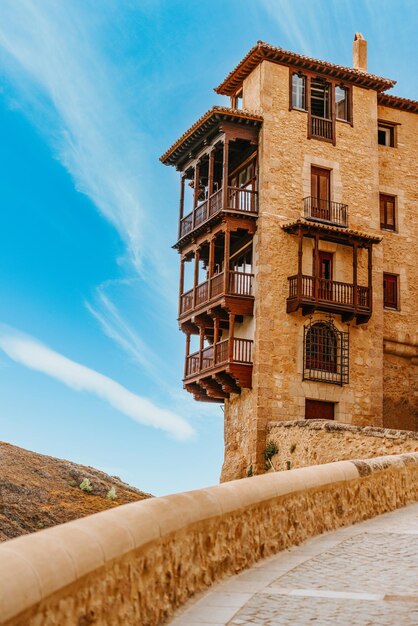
[{"x": 91, "y": 94}]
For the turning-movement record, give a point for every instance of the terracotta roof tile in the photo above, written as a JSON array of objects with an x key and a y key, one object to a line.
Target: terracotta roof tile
[
  {"x": 292, "y": 226},
  {"x": 211, "y": 116},
  {"x": 396, "y": 102},
  {"x": 264, "y": 51}
]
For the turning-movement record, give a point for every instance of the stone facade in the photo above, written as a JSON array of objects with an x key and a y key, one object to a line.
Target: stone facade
[{"x": 383, "y": 372}]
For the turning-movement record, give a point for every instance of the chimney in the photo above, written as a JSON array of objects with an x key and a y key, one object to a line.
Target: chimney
[{"x": 360, "y": 53}]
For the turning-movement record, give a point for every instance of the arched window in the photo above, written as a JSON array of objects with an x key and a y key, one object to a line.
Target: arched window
[
  {"x": 325, "y": 354},
  {"x": 321, "y": 348}
]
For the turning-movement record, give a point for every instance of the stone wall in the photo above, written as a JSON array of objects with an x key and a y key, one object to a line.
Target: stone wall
[
  {"x": 397, "y": 177},
  {"x": 285, "y": 159},
  {"x": 309, "y": 442},
  {"x": 137, "y": 563}
]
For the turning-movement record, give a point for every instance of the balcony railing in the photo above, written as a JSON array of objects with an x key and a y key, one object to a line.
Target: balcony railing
[
  {"x": 325, "y": 211},
  {"x": 243, "y": 200},
  {"x": 221, "y": 353},
  {"x": 330, "y": 292},
  {"x": 238, "y": 284},
  {"x": 322, "y": 128}
]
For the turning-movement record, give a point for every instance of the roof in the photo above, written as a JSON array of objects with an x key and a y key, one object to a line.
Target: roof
[
  {"x": 265, "y": 52},
  {"x": 396, "y": 102},
  {"x": 293, "y": 227},
  {"x": 203, "y": 125}
]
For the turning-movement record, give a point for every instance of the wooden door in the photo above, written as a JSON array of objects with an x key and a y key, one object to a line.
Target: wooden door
[
  {"x": 320, "y": 192},
  {"x": 325, "y": 275},
  {"x": 319, "y": 410}
]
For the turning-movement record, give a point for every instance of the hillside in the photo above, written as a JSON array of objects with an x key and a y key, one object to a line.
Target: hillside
[{"x": 38, "y": 491}]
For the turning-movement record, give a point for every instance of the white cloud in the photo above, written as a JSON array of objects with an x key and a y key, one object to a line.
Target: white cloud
[
  {"x": 67, "y": 85},
  {"x": 36, "y": 356}
]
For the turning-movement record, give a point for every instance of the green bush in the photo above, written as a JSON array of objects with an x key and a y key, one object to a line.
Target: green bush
[
  {"x": 86, "y": 485},
  {"x": 270, "y": 450}
]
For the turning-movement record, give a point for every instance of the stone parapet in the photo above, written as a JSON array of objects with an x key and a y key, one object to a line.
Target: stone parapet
[
  {"x": 303, "y": 443},
  {"x": 137, "y": 563}
]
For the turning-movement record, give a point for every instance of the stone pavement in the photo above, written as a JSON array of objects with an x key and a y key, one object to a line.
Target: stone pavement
[{"x": 366, "y": 574}]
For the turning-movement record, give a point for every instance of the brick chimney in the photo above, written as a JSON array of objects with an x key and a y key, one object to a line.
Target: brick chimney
[{"x": 360, "y": 52}]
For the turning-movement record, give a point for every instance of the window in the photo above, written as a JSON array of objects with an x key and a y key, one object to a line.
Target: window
[
  {"x": 325, "y": 354},
  {"x": 341, "y": 103},
  {"x": 386, "y": 134},
  {"x": 320, "y": 98},
  {"x": 387, "y": 212},
  {"x": 390, "y": 291},
  {"x": 298, "y": 91}
]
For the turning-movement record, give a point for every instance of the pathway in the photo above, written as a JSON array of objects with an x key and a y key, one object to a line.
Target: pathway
[{"x": 366, "y": 574}]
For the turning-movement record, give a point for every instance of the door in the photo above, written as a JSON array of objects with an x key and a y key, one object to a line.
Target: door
[
  {"x": 320, "y": 192},
  {"x": 319, "y": 410},
  {"x": 325, "y": 275}
]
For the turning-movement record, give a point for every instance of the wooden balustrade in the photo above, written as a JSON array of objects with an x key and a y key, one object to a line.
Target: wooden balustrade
[
  {"x": 239, "y": 284},
  {"x": 218, "y": 354},
  {"x": 325, "y": 211},
  {"x": 186, "y": 301},
  {"x": 240, "y": 199},
  {"x": 322, "y": 128},
  {"x": 304, "y": 287},
  {"x": 244, "y": 200},
  {"x": 202, "y": 293}
]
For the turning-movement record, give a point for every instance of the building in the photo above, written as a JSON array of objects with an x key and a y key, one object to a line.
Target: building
[{"x": 298, "y": 244}]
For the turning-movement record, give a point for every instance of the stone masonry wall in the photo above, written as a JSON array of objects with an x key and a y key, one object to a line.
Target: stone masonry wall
[
  {"x": 310, "y": 442},
  {"x": 285, "y": 159},
  {"x": 137, "y": 563},
  {"x": 398, "y": 177}
]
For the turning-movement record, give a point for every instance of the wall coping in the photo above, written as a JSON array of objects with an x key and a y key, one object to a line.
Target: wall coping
[
  {"x": 340, "y": 427},
  {"x": 52, "y": 562}
]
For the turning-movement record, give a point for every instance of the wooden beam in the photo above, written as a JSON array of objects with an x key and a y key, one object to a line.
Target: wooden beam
[
  {"x": 355, "y": 257},
  {"x": 196, "y": 275},
  {"x": 181, "y": 208},
  {"x": 231, "y": 337},
  {"x": 316, "y": 266},
  {"x": 211, "y": 265},
  {"x": 225, "y": 172},
  {"x": 210, "y": 172},
  {"x": 300, "y": 255},
  {"x": 226, "y": 258},
  {"x": 187, "y": 353},
  {"x": 370, "y": 274}
]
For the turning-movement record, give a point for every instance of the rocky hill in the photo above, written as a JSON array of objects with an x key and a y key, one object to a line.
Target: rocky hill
[{"x": 38, "y": 491}]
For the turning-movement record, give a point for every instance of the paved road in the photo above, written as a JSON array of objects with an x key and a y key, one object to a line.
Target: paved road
[{"x": 366, "y": 574}]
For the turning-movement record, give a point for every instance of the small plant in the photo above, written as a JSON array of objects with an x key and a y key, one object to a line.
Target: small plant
[
  {"x": 288, "y": 465},
  {"x": 250, "y": 471},
  {"x": 111, "y": 494},
  {"x": 270, "y": 450},
  {"x": 86, "y": 485},
  {"x": 292, "y": 448}
]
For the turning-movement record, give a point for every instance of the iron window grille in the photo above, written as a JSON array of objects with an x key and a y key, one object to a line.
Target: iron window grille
[{"x": 325, "y": 353}]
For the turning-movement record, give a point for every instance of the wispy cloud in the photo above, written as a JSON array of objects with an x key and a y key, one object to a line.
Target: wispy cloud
[
  {"x": 35, "y": 355},
  {"x": 67, "y": 85}
]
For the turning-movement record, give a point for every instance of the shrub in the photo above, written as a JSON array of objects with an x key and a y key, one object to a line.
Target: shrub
[
  {"x": 270, "y": 450},
  {"x": 86, "y": 485},
  {"x": 250, "y": 471},
  {"x": 111, "y": 494}
]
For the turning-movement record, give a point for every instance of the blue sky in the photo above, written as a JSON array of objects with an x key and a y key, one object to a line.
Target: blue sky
[{"x": 91, "y": 94}]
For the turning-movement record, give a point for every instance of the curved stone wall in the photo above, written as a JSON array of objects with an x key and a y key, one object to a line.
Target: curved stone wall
[{"x": 137, "y": 563}]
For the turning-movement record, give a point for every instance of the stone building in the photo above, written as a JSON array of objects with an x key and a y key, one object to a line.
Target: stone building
[{"x": 298, "y": 244}]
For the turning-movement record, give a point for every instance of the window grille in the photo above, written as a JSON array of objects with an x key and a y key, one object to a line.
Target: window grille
[{"x": 325, "y": 353}]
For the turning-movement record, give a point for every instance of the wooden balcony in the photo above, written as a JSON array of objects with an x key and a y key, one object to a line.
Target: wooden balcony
[
  {"x": 325, "y": 211},
  {"x": 319, "y": 294},
  {"x": 321, "y": 128},
  {"x": 225, "y": 367},
  {"x": 238, "y": 201},
  {"x": 236, "y": 293}
]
